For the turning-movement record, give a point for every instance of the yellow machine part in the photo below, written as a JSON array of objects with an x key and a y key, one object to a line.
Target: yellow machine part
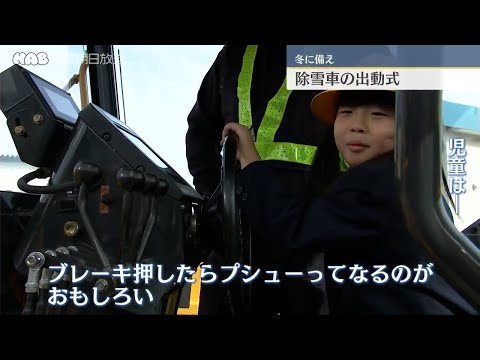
[{"x": 194, "y": 296}]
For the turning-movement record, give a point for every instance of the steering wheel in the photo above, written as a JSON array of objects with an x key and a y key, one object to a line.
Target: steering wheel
[
  {"x": 236, "y": 237},
  {"x": 230, "y": 224}
]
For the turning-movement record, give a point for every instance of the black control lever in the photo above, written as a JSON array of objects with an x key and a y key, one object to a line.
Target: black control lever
[
  {"x": 89, "y": 174},
  {"x": 128, "y": 180},
  {"x": 158, "y": 187}
]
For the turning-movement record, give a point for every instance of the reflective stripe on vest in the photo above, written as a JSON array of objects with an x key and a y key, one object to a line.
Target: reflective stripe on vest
[{"x": 267, "y": 148}]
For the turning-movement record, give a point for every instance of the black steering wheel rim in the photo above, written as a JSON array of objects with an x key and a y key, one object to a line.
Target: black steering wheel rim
[
  {"x": 236, "y": 236},
  {"x": 230, "y": 229}
]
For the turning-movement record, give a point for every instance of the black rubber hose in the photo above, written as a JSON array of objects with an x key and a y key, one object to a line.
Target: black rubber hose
[{"x": 22, "y": 183}]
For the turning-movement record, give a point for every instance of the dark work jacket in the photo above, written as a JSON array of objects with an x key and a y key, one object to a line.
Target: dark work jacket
[
  {"x": 217, "y": 104},
  {"x": 358, "y": 221}
]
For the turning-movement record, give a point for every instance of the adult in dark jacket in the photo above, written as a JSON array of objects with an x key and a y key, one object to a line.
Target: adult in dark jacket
[
  {"x": 354, "y": 218},
  {"x": 239, "y": 86},
  {"x": 247, "y": 84}
]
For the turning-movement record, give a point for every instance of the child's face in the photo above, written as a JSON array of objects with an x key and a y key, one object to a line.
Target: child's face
[{"x": 364, "y": 132}]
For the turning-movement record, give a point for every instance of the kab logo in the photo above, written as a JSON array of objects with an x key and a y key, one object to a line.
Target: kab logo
[{"x": 30, "y": 58}]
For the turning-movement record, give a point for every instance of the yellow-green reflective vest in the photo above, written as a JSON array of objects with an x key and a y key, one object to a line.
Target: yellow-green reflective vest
[{"x": 267, "y": 148}]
